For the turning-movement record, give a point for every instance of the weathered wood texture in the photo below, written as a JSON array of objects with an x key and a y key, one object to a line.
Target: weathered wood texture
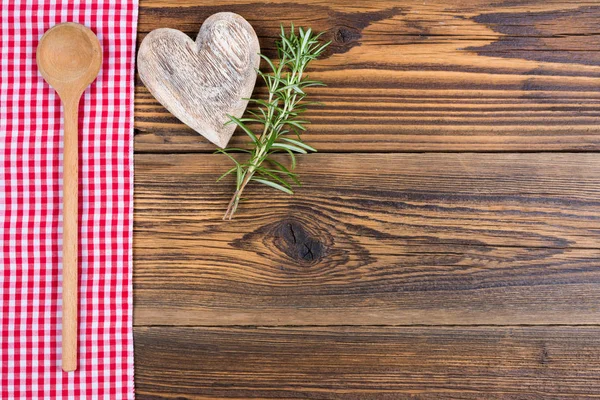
[
  {"x": 368, "y": 363},
  {"x": 414, "y": 239},
  {"x": 447, "y": 75},
  {"x": 204, "y": 86},
  {"x": 389, "y": 276}
]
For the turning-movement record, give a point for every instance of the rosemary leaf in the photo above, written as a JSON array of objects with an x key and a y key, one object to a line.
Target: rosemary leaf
[{"x": 273, "y": 185}]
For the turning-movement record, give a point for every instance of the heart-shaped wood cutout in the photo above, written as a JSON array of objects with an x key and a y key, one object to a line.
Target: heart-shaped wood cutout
[{"x": 203, "y": 82}]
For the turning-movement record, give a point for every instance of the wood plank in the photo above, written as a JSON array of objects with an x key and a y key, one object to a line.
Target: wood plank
[
  {"x": 411, "y": 76},
  {"x": 372, "y": 239},
  {"x": 368, "y": 363}
]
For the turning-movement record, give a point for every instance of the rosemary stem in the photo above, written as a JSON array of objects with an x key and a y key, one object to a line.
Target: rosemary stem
[
  {"x": 235, "y": 199},
  {"x": 279, "y": 116}
]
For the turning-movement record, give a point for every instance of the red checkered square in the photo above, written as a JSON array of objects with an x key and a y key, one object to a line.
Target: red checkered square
[{"x": 31, "y": 202}]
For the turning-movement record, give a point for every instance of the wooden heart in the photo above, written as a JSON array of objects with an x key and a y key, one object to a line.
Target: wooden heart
[{"x": 202, "y": 82}]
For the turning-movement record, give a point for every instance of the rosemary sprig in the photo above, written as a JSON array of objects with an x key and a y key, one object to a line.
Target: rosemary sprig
[{"x": 279, "y": 115}]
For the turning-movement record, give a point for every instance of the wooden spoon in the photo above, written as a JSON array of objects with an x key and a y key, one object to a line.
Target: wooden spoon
[{"x": 69, "y": 57}]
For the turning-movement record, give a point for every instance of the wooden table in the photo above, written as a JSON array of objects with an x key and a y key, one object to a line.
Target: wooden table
[{"x": 444, "y": 244}]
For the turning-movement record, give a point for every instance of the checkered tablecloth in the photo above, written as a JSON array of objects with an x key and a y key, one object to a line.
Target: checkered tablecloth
[{"x": 31, "y": 202}]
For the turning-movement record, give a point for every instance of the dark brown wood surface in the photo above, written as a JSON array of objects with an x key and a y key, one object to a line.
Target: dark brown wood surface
[
  {"x": 445, "y": 75},
  {"x": 420, "y": 238},
  {"x": 368, "y": 362},
  {"x": 445, "y": 241}
]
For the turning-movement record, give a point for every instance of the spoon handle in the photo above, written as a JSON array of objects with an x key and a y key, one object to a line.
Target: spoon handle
[{"x": 70, "y": 234}]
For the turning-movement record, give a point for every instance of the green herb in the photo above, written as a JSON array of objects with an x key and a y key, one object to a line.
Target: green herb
[{"x": 279, "y": 115}]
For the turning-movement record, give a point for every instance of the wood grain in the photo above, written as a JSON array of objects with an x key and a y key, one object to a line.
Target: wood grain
[
  {"x": 202, "y": 87},
  {"x": 413, "y": 76},
  {"x": 453, "y": 275},
  {"x": 69, "y": 58},
  {"x": 368, "y": 363},
  {"x": 413, "y": 239}
]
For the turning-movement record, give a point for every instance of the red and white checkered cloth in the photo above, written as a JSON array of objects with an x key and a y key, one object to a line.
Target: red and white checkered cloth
[{"x": 31, "y": 202}]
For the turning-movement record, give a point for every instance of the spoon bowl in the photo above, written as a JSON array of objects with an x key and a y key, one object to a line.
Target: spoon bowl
[{"x": 69, "y": 58}]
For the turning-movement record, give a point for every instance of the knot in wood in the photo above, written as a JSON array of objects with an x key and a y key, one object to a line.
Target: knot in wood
[
  {"x": 293, "y": 239},
  {"x": 345, "y": 35}
]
